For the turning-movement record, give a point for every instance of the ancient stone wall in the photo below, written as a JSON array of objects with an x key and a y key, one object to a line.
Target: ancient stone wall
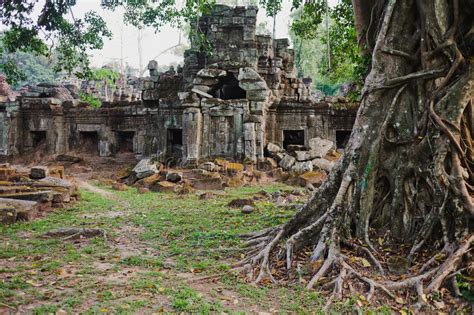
[{"x": 229, "y": 104}]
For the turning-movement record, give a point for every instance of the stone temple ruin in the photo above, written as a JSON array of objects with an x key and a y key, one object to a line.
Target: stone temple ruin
[{"x": 230, "y": 104}]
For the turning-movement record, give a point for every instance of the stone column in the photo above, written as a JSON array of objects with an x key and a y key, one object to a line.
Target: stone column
[
  {"x": 206, "y": 128},
  {"x": 250, "y": 141},
  {"x": 107, "y": 141},
  {"x": 192, "y": 134}
]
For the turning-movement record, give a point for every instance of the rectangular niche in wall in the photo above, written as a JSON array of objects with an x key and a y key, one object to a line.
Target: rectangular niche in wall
[
  {"x": 174, "y": 142},
  {"x": 342, "y": 137},
  {"x": 125, "y": 141},
  {"x": 38, "y": 138},
  {"x": 293, "y": 137},
  {"x": 89, "y": 142}
]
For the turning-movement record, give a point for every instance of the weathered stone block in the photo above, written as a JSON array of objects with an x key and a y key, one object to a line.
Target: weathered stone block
[
  {"x": 302, "y": 167},
  {"x": 287, "y": 162},
  {"x": 259, "y": 95},
  {"x": 38, "y": 172},
  {"x": 274, "y": 148},
  {"x": 247, "y": 73},
  {"x": 320, "y": 147},
  {"x": 174, "y": 177},
  {"x": 205, "y": 81},
  {"x": 144, "y": 168},
  {"x": 7, "y": 214},
  {"x": 250, "y": 85},
  {"x": 303, "y": 155},
  {"x": 211, "y": 73},
  {"x": 323, "y": 164},
  {"x": 5, "y": 173},
  {"x": 163, "y": 186},
  {"x": 202, "y": 88}
]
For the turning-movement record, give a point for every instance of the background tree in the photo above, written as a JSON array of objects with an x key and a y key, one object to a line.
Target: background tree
[
  {"x": 309, "y": 36},
  {"x": 27, "y": 68}
]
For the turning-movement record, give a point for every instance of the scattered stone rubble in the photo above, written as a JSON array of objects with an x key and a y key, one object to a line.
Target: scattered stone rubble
[
  {"x": 298, "y": 165},
  {"x": 26, "y": 194},
  {"x": 310, "y": 164}
]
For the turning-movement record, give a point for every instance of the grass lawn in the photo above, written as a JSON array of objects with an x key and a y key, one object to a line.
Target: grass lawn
[{"x": 163, "y": 253}]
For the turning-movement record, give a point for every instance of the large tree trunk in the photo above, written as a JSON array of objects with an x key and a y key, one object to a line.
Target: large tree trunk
[{"x": 406, "y": 174}]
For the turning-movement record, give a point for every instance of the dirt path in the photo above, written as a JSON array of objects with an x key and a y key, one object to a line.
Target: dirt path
[{"x": 128, "y": 244}]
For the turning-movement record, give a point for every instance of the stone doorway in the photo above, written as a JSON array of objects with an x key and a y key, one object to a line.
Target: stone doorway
[
  {"x": 174, "y": 142},
  {"x": 295, "y": 137},
  {"x": 125, "y": 141},
  {"x": 222, "y": 139},
  {"x": 342, "y": 137},
  {"x": 89, "y": 142},
  {"x": 38, "y": 138}
]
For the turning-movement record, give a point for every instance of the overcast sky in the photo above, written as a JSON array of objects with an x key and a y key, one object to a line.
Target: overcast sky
[{"x": 124, "y": 41}]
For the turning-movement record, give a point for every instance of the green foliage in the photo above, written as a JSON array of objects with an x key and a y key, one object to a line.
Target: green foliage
[
  {"x": 465, "y": 286},
  {"x": 34, "y": 67},
  {"x": 72, "y": 40},
  {"x": 90, "y": 99},
  {"x": 272, "y": 7},
  {"x": 310, "y": 39},
  {"x": 105, "y": 74},
  {"x": 306, "y": 25}
]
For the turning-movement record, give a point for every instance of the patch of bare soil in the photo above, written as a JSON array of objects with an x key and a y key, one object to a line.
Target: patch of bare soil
[{"x": 211, "y": 289}]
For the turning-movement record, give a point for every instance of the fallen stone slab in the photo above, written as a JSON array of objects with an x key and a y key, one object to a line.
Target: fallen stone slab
[
  {"x": 163, "y": 186},
  {"x": 39, "y": 196},
  {"x": 26, "y": 210},
  {"x": 8, "y": 214},
  {"x": 6, "y": 173},
  {"x": 234, "y": 167},
  {"x": 287, "y": 162},
  {"x": 53, "y": 182},
  {"x": 208, "y": 166},
  {"x": 143, "y": 169},
  {"x": 208, "y": 183},
  {"x": 320, "y": 147},
  {"x": 174, "y": 177},
  {"x": 302, "y": 167},
  {"x": 150, "y": 180},
  {"x": 323, "y": 164},
  {"x": 202, "y": 93},
  {"x": 11, "y": 189},
  {"x": 56, "y": 171}
]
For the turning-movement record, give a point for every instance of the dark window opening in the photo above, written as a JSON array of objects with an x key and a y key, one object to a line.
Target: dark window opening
[
  {"x": 125, "y": 141},
  {"x": 292, "y": 137},
  {"x": 89, "y": 141},
  {"x": 228, "y": 88},
  {"x": 174, "y": 142},
  {"x": 38, "y": 138},
  {"x": 342, "y": 137}
]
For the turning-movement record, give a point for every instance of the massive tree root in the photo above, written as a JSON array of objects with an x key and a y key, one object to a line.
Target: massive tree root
[{"x": 406, "y": 177}]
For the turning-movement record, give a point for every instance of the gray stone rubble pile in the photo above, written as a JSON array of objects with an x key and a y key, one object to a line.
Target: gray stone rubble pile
[{"x": 300, "y": 159}]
